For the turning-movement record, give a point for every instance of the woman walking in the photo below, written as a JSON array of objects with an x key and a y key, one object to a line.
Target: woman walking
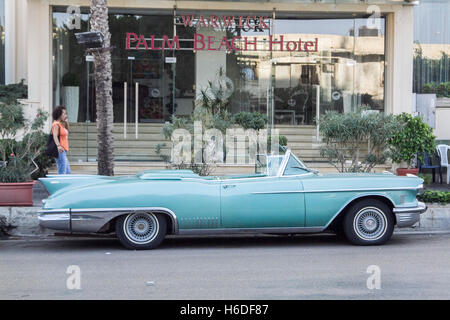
[{"x": 60, "y": 132}]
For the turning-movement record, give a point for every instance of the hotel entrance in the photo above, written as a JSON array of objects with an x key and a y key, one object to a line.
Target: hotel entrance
[{"x": 290, "y": 67}]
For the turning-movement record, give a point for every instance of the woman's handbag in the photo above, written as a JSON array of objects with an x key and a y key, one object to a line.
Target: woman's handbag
[{"x": 51, "y": 149}]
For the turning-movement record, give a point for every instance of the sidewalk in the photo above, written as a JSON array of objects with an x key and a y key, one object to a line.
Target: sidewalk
[{"x": 23, "y": 221}]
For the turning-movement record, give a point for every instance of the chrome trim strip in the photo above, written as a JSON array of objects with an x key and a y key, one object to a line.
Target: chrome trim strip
[
  {"x": 278, "y": 192},
  {"x": 420, "y": 208},
  {"x": 285, "y": 230},
  {"x": 339, "y": 190},
  {"x": 51, "y": 211},
  {"x": 298, "y": 175},
  {"x": 229, "y": 179},
  {"x": 248, "y": 178},
  {"x": 84, "y": 217}
]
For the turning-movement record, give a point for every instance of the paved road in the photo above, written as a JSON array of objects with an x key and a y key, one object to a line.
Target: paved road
[{"x": 244, "y": 267}]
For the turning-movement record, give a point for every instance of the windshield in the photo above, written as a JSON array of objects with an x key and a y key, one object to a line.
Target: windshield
[
  {"x": 294, "y": 167},
  {"x": 270, "y": 164}
]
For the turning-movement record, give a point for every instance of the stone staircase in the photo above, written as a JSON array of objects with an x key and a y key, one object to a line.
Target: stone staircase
[
  {"x": 134, "y": 155},
  {"x": 83, "y": 142}
]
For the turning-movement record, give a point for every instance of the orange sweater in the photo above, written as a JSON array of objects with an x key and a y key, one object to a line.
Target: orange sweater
[{"x": 63, "y": 135}]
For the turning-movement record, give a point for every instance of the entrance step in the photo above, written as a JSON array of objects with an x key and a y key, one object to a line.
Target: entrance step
[
  {"x": 132, "y": 167},
  {"x": 83, "y": 142}
]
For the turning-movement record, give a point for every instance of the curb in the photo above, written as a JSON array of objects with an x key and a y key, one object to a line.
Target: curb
[
  {"x": 21, "y": 221},
  {"x": 24, "y": 222}
]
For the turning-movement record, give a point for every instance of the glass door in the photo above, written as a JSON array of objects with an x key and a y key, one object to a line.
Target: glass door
[{"x": 295, "y": 85}]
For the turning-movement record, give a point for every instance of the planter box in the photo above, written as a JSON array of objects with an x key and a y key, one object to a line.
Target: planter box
[
  {"x": 405, "y": 171},
  {"x": 16, "y": 194}
]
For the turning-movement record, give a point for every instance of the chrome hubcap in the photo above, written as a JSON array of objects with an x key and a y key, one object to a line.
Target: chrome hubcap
[
  {"x": 370, "y": 223},
  {"x": 141, "y": 228}
]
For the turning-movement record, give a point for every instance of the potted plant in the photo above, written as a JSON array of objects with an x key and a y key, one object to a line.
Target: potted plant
[
  {"x": 20, "y": 145},
  {"x": 71, "y": 95},
  {"x": 413, "y": 139}
]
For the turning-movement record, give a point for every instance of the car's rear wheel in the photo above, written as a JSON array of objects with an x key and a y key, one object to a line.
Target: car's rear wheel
[
  {"x": 141, "y": 230},
  {"x": 368, "y": 222}
]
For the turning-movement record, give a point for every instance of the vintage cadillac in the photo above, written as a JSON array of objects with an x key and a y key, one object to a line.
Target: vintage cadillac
[{"x": 282, "y": 197}]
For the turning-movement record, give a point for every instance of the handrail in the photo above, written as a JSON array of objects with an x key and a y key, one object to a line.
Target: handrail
[
  {"x": 137, "y": 109},
  {"x": 125, "y": 101}
]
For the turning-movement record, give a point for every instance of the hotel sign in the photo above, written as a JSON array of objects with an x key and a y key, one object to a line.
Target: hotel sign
[{"x": 213, "y": 43}]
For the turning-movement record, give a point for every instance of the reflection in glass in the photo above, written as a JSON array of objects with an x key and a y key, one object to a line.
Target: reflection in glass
[
  {"x": 2, "y": 42},
  {"x": 432, "y": 47}
]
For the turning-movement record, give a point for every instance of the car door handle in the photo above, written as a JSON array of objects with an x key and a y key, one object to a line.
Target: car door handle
[{"x": 227, "y": 186}]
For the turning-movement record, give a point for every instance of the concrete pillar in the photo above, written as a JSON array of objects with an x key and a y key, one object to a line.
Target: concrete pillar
[
  {"x": 10, "y": 41},
  {"x": 39, "y": 56},
  {"x": 399, "y": 60},
  {"x": 15, "y": 41},
  {"x": 21, "y": 40}
]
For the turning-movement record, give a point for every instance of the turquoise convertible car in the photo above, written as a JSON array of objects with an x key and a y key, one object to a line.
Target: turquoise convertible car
[{"x": 283, "y": 197}]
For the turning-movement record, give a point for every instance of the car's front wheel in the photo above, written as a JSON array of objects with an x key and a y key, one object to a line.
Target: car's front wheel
[
  {"x": 368, "y": 222},
  {"x": 141, "y": 230}
]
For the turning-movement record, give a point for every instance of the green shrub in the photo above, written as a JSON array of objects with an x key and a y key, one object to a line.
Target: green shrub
[
  {"x": 429, "y": 88},
  {"x": 250, "y": 120},
  {"x": 283, "y": 141},
  {"x": 413, "y": 138},
  {"x": 12, "y": 92},
  {"x": 442, "y": 89},
  {"x": 20, "y": 159},
  {"x": 435, "y": 196},
  {"x": 346, "y": 135}
]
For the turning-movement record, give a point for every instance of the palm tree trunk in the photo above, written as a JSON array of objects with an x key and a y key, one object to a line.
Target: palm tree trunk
[{"x": 103, "y": 89}]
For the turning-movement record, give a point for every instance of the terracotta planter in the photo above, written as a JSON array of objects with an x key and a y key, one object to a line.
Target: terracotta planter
[
  {"x": 404, "y": 171},
  {"x": 17, "y": 194}
]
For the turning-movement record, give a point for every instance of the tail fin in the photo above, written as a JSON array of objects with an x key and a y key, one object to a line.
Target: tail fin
[{"x": 54, "y": 183}]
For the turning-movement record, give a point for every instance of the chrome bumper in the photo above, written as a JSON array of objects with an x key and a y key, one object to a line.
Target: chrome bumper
[
  {"x": 57, "y": 220},
  {"x": 72, "y": 221},
  {"x": 406, "y": 217}
]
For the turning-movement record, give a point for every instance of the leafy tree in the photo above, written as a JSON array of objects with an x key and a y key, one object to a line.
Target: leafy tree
[
  {"x": 415, "y": 137},
  {"x": 347, "y": 136}
]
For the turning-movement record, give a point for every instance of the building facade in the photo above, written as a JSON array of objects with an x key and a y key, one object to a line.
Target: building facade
[{"x": 289, "y": 59}]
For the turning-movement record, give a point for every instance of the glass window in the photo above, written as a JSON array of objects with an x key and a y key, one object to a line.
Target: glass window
[
  {"x": 294, "y": 167},
  {"x": 273, "y": 164},
  {"x": 142, "y": 72},
  {"x": 247, "y": 56},
  {"x": 288, "y": 68},
  {"x": 70, "y": 85},
  {"x": 343, "y": 59},
  {"x": 432, "y": 47},
  {"x": 2, "y": 42}
]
